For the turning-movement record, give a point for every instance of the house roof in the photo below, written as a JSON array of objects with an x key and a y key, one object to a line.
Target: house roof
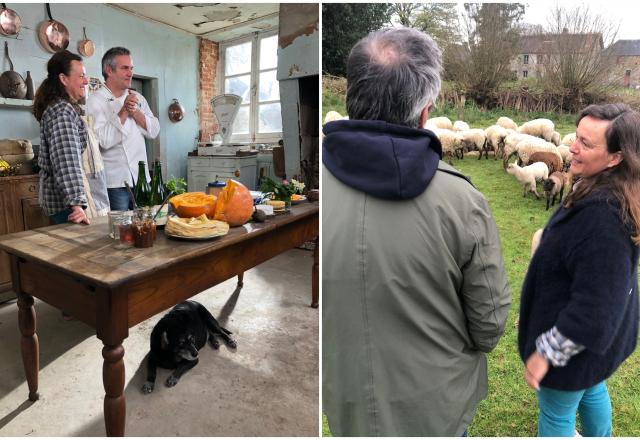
[
  {"x": 626, "y": 48},
  {"x": 547, "y": 43}
]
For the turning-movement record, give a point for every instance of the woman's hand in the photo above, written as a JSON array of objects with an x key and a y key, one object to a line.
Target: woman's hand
[
  {"x": 535, "y": 369},
  {"x": 78, "y": 215}
]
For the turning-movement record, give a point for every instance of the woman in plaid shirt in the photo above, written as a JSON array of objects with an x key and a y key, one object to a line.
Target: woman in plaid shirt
[{"x": 62, "y": 139}]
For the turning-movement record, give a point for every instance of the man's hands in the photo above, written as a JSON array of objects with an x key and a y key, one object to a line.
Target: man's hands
[
  {"x": 535, "y": 369},
  {"x": 131, "y": 107},
  {"x": 78, "y": 215}
]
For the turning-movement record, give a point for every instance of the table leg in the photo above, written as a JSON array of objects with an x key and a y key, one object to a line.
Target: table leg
[
  {"x": 315, "y": 286},
  {"x": 240, "y": 279},
  {"x": 113, "y": 380},
  {"x": 29, "y": 344}
]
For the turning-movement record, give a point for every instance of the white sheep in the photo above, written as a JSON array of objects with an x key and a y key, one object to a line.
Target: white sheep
[
  {"x": 565, "y": 152},
  {"x": 511, "y": 142},
  {"x": 474, "y": 139},
  {"x": 555, "y": 138},
  {"x": 526, "y": 148},
  {"x": 451, "y": 142},
  {"x": 529, "y": 175},
  {"x": 495, "y": 138},
  {"x": 568, "y": 139},
  {"x": 439, "y": 122},
  {"x": 535, "y": 240},
  {"x": 505, "y": 122},
  {"x": 460, "y": 126},
  {"x": 332, "y": 115},
  {"x": 542, "y": 128}
]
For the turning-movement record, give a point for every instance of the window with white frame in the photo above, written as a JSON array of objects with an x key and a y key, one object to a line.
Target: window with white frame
[{"x": 248, "y": 68}]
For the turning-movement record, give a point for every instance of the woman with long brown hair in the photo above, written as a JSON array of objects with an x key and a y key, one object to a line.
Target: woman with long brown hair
[
  {"x": 579, "y": 304},
  {"x": 65, "y": 193}
]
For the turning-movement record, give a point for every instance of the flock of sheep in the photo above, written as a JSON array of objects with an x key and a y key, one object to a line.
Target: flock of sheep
[{"x": 542, "y": 156}]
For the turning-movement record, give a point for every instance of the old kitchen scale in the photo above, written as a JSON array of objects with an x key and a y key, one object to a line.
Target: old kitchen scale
[{"x": 226, "y": 109}]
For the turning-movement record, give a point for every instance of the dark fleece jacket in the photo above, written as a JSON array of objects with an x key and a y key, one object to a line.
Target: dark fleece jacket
[
  {"x": 385, "y": 160},
  {"x": 583, "y": 279}
]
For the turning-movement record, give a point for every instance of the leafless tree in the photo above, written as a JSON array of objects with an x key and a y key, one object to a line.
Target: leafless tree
[
  {"x": 404, "y": 13},
  {"x": 576, "y": 55}
]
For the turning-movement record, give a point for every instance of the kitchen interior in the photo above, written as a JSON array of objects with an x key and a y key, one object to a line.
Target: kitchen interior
[{"x": 236, "y": 90}]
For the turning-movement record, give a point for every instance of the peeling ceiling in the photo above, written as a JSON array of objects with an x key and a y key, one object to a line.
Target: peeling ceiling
[{"x": 214, "y": 21}]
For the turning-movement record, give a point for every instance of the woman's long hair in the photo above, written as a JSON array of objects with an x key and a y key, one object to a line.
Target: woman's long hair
[
  {"x": 52, "y": 88},
  {"x": 622, "y": 135}
]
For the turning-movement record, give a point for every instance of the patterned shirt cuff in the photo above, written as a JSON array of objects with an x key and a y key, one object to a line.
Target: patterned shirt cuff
[{"x": 556, "y": 348}]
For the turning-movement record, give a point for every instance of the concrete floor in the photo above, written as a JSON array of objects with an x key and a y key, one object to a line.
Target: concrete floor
[{"x": 268, "y": 386}]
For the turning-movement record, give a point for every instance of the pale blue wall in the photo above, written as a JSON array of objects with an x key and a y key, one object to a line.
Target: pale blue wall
[{"x": 158, "y": 51}]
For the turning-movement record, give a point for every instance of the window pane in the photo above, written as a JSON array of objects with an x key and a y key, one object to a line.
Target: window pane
[
  {"x": 269, "y": 86},
  {"x": 269, "y": 53},
  {"x": 241, "y": 123},
  {"x": 270, "y": 118},
  {"x": 237, "y": 59},
  {"x": 239, "y": 85}
]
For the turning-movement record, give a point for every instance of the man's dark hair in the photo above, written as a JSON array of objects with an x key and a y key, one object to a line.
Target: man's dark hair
[{"x": 392, "y": 75}]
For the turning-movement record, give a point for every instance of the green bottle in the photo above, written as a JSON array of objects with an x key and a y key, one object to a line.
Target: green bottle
[
  {"x": 156, "y": 193},
  {"x": 142, "y": 190}
]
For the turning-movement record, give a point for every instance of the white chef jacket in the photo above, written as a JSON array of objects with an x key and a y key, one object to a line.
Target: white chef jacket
[{"x": 122, "y": 146}]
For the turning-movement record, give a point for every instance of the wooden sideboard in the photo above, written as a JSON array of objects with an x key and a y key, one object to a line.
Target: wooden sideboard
[{"x": 19, "y": 211}]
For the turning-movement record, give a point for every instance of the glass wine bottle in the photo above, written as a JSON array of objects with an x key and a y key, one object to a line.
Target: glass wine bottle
[
  {"x": 156, "y": 197},
  {"x": 142, "y": 190}
]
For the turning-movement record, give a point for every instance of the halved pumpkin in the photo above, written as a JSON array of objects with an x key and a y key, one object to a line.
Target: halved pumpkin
[
  {"x": 193, "y": 204},
  {"x": 235, "y": 204}
]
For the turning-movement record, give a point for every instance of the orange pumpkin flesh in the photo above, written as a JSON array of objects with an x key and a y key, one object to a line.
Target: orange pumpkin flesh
[
  {"x": 193, "y": 204},
  {"x": 235, "y": 204}
]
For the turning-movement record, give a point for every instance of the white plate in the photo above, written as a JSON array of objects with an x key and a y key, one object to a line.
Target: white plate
[{"x": 205, "y": 237}]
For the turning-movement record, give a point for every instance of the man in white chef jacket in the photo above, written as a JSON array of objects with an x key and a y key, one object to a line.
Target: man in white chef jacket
[{"x": 122, "y": 119}]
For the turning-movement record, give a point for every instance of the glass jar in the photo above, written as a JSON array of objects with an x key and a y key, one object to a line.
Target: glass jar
[
  {"x": 122, "y": 229},
  {"x": 214, "y": 188},
  {"x": 113, "y": 230},
  {"x": 144, "y": 228}
]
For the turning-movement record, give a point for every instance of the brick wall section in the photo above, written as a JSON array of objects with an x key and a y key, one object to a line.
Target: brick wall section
[{"x": 209, "y": 56}]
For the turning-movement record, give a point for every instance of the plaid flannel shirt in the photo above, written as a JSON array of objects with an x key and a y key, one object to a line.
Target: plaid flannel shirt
[
  {"x": 556, "y": 348},
  {"x": 63, "y": 139}
]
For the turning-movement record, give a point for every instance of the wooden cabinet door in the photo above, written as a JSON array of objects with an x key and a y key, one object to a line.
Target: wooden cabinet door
[{"x": 33, "y": 215}]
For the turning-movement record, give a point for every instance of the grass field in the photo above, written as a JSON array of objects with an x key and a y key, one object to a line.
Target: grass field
[{"x": 511, "y": 407}]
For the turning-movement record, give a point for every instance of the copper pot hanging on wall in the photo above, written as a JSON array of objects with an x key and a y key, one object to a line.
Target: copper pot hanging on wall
[
  {"x": 10, "y": 23},
  {"x": 86, "y": 47},
  {"x": 53, "y": 35},
  {"x": 176, "y": 111}
]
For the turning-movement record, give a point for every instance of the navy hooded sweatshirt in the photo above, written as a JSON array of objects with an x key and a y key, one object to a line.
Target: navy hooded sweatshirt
[{"x": 384, "y": 160}]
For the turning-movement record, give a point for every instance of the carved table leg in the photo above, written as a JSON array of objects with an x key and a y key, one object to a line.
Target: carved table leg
[
  {"x": 29, "y": 343},
  {"x": 113, "y": 380},
  {"x": 240, "y": 279},
  {"x": 315, "y": 286}
]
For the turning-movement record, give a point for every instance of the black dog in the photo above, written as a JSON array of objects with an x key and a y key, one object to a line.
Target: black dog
[{"x": 176, "y": 339}]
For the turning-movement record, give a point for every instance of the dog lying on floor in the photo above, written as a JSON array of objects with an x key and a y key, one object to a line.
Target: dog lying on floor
[{"x": 177, "y": 338}]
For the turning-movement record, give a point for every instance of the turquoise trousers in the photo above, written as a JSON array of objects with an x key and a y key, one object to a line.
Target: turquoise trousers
[{"x": 558, "y": 412}]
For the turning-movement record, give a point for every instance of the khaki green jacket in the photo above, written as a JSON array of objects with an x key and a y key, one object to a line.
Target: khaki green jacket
[{"x": 414, "y": 294}]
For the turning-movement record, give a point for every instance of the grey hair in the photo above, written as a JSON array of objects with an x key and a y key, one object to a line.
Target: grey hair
[
  {"x": 392, "y": 75},
  {"x": 109, "y": 58}
]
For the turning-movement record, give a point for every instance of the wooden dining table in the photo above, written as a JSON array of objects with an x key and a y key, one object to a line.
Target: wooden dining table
[{"x": 111, "y": 287}]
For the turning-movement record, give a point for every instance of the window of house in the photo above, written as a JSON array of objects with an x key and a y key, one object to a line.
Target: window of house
[
  {"x": 248, "y": 68},
  {"x": 526, "y": 59},
  {"x": 525, "y": 74},
  {"x": 627, "y": 72}
]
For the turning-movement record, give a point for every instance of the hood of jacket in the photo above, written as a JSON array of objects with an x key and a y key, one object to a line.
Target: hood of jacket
[{"x": 384, "y": 160}]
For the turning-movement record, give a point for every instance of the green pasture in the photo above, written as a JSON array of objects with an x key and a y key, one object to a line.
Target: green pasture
[{"x": 510, "y": 409}]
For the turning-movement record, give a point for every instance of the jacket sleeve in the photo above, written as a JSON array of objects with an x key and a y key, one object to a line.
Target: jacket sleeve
[
  {"x": 106, "y": 124},
  {"x": 153, "y": 125},
  {"x": 485, "y": 292},
  {"x": 602, "y": 281}
]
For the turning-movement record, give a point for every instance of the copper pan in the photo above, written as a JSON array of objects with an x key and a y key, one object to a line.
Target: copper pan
[
  {"x": 86, "y": 47},
  {"x": 52, "y": 34},
  {"x": 10, "y": 23}
]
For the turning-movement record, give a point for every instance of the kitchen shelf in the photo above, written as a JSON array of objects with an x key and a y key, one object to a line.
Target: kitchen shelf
[{"x": 16, "y": 103}]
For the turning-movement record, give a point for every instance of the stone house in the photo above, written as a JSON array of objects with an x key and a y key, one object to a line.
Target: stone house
[{"x": 625, "y": 60}]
